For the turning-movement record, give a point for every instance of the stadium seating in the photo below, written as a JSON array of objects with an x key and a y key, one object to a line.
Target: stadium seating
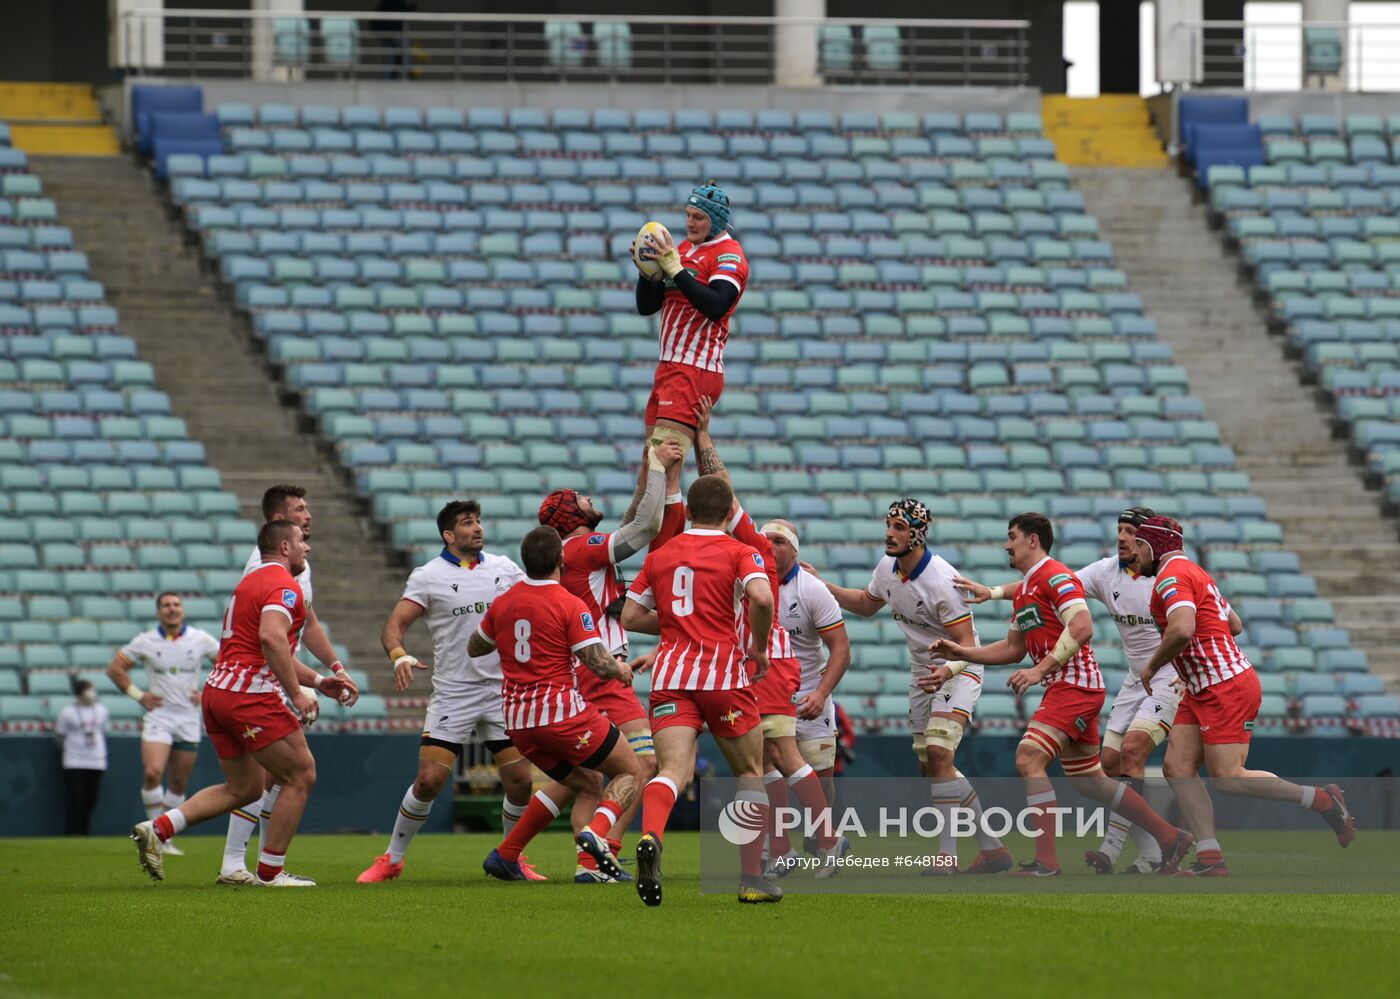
[
  {"x": 105, "y": 499},
  {"x": 931, "y": 312},
  {"x": 1318, "y": 230}
]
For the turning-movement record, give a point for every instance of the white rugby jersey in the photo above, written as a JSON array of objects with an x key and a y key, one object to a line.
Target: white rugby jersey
[
  {"x": 303, "y": 578},
  {"x": 455, "y": 596},
  {"x": 925, "y": 603},
  {"x": 1128, "y": 598},
  {"x": 806, "y": 608},
  {"x": 175, "y": 666}
]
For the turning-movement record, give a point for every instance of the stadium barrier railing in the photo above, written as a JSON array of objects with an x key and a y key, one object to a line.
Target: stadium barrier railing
[
  {"x": 1335, "y": 56},
  {"x": 533, "y": 48}
]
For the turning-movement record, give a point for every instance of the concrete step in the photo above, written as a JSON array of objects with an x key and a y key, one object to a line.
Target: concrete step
[{"x": 219, "y": 382}]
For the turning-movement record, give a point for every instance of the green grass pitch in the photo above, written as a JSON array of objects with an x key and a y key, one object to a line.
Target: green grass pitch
[{"x": 81, "y": 919}]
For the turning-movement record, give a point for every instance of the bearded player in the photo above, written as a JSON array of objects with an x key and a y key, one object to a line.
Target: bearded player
[
  {"x": 696, "y": 291},
  {"x": 451, "y": 594},
  {"x": 252, "y": 729},
  {"x": 776, "y": 693},
  {"x": 590, "y": 573},
  {"x": 1138, "y": 722},
  {"x": 917, "y": 585},
  {"x": 281, "y": 502},
  {"x": 689, "y": 593},
  {"x": 1223, "y": 695},
  {"x": 1051, "y": 622},
  {"x": 538, "y": 628}
]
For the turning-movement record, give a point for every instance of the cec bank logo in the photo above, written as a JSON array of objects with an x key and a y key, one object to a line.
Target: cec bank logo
[{"x": 741, "y": 822}]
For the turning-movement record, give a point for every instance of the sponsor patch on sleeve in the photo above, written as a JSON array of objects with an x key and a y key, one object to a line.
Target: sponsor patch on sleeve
[
  {"x": 1163, "y": 585},
  {"x": 732, "y": 258},
  {"x": 587, "y": 620},
  {"x": 597, "y": 539},
  {"x": 757, "y": 559},
  {"x": 289, "y": 599},
  {"x": 1061, "y": 578}
]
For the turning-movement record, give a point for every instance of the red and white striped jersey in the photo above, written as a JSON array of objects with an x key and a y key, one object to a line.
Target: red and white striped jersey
[
  {"x": 779, "y": 641},
  {"x": 591, "y": 575},
  {"x": 1048, "y": 590},
  {"x": 1211, "y": 656},
  {"x": 687, "y": 336},
  {"x": 694, "y": 585},
  {"x": 537, "y": 626},
  {"x": 241, "y": 666}
]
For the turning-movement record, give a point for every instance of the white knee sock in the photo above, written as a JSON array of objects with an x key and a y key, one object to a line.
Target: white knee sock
[
  {"x": 1115, "y": 837},
  {"x": 153, "y": 801},
  {"x": 945, "y": 798},
  {"x": 970, "y": 801},
  {"x": 412, "y": 814},
  {"x": 510, "y": 815},
  {"x": 1148, "y": 848},
  {"x": 241, "y": 823}
]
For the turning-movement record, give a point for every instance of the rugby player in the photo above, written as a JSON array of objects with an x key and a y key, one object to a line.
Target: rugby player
[
  {"x": 700, "y": 284},
  {"x": 539, "y": 628},
  {"x": 284, "y": 501},
  {"x": 1216, "y": 717},
  {"x": 246, "y": 716},
  {"x": 812, "y": 618},
  {"x": 776, "y": 693},
  {"x": 1052, "y": 623},
  {"x": 590, "y": 573},
  {"x": 918, "y": 587},
  {"x": 173, "y": 656},
  {"x": 451, "y": 594},
  {"x": 1138, "y": 722},
  {"x": 689, "y": 593}
]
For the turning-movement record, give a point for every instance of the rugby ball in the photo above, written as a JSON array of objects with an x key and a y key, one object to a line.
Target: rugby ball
[{"x": 650, "y": 238}]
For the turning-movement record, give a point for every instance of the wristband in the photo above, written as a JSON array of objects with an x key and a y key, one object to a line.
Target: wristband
[
  {"x": 336, "y": 667},
  {"x": 316, "y": 683},
  {"x": 405, "y": 658},
  {"x": 397, "y": 653},
  {"x": 135, "y": 693},
  {"x": 996, "y": 593},
  {"x": 956, "y": 666}
]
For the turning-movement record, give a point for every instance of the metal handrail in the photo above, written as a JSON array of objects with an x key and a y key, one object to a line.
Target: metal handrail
[
  {"x": 512, "y": 47},
  {"x": 658, "y": 19},
  {"x": 1241, "y": 50}
]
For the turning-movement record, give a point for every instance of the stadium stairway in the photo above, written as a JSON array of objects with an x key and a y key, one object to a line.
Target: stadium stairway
[
  {"x": 1281, "y": 436},
  {"x": 202, "y": 357},
  {"x": 56, "y": 119},
  {"x": 1110, "y": 130}
]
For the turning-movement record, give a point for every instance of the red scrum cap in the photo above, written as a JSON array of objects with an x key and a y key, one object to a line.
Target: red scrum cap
[
  {"x": 561, "y": 510},
  {"x": 1162, "y": 535}
]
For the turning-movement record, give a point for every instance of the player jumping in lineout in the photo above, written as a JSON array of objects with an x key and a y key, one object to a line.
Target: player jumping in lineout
[{"x": 700, "y": 284}]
